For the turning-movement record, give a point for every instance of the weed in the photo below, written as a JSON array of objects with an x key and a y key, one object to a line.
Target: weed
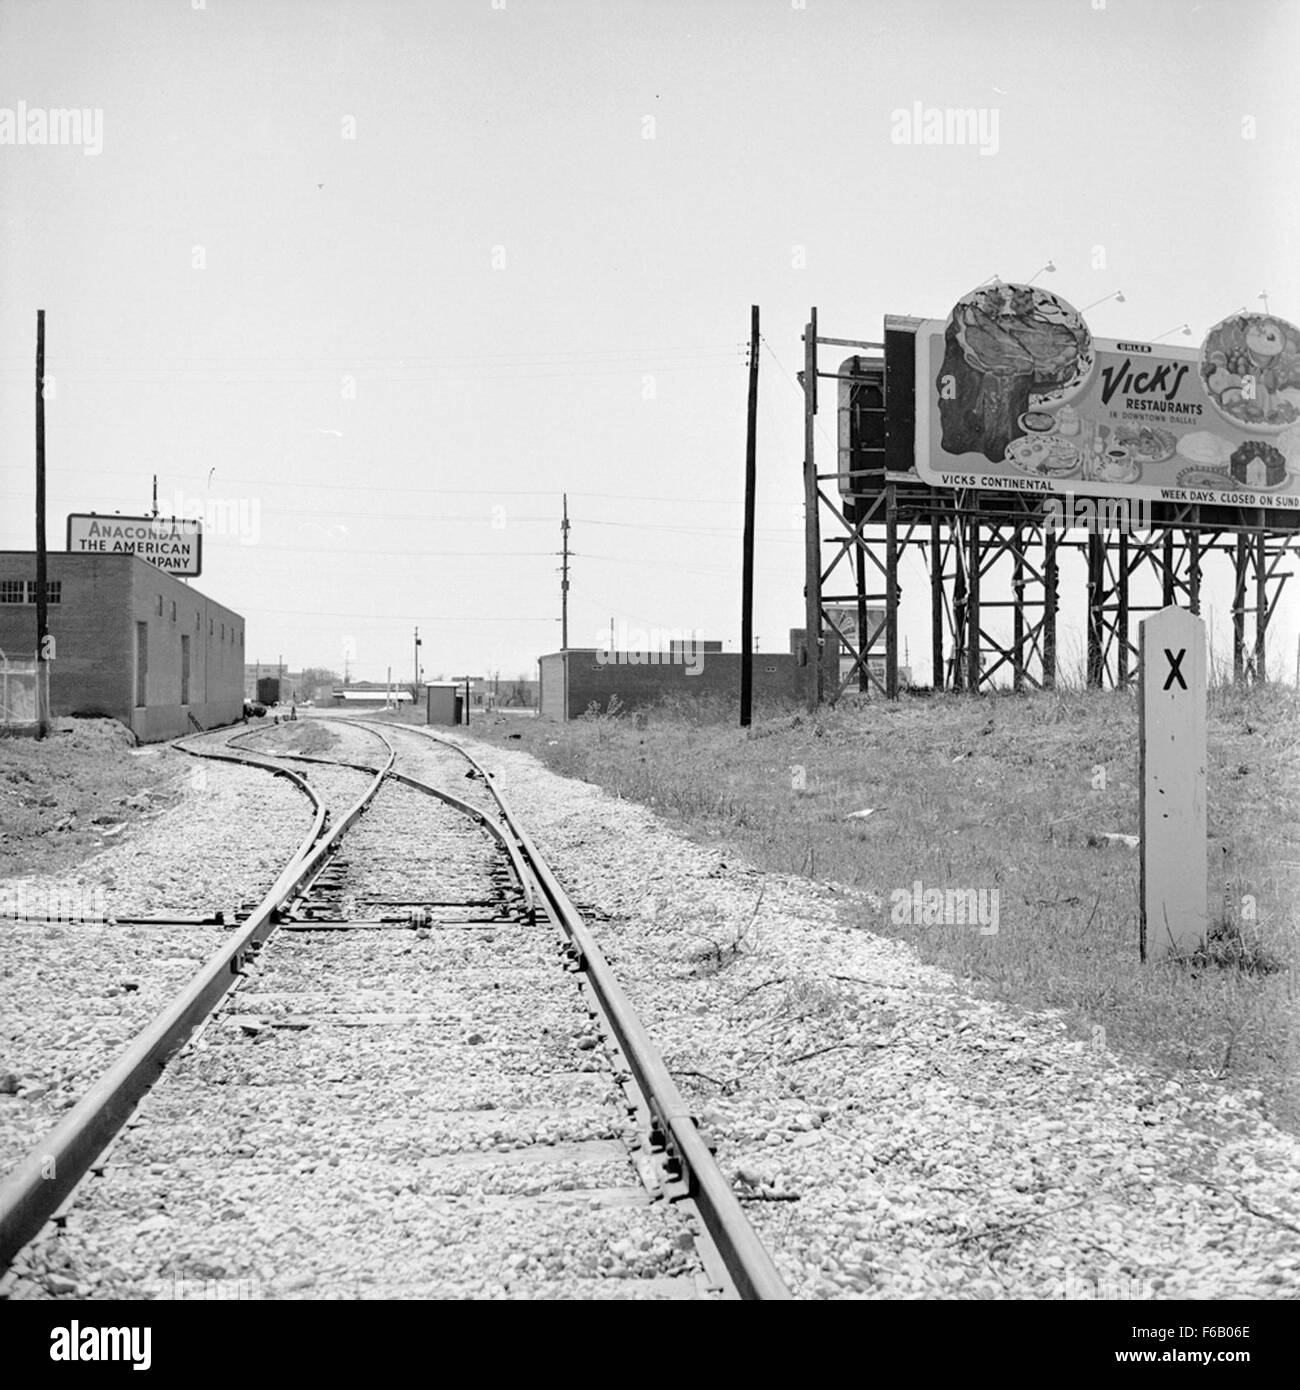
[{"x": 1003, "y": 791}]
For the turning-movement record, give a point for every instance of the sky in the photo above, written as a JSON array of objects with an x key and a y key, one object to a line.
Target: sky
[{"x": 373, "y": 285}]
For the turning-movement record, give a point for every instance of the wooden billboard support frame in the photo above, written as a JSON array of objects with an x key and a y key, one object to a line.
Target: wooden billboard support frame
[{"x": 853, "y": 548}]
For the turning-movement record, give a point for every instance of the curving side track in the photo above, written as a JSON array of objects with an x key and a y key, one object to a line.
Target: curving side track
[
  {"x": 299, "y": 899},
  {"x": 38, "y": 1186},
  {"x": 748, "y": 1263}
]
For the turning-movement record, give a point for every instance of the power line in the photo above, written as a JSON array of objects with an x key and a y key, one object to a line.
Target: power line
[
  {"x": 380, "y": 618},
  {"x": 498, "y": 493},
  {"x": 279, "y": 360}
]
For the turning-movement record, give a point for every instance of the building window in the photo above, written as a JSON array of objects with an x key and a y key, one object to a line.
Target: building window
[
  {"x": 24, "y": 591},
  {"x": 210, "y": 627},
  {"x": 223, "y": 632},
  {"x": 173, "y": 610},
  {"x": 185, "y": 670},
  {"x": 198, "y": 622},
  {"x": 160, "y": 605}
]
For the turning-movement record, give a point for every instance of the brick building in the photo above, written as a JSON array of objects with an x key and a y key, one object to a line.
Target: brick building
[
  {"x": 131, "y": 642},
  {"x": 574, "y": 679}
]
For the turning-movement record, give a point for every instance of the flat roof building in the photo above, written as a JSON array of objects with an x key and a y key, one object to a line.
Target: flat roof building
[{"x": 130, "y": 642}]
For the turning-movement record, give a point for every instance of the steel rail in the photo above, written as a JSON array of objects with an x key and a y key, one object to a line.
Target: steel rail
[
  {"x": 44, "y": 1178},
  {"x": 522, "y": 877},
  {"x": 747, "y": 1261}
]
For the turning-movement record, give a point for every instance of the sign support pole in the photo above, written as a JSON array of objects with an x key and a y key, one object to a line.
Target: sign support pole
[
  {"x": 564, "y": 577},
  {"x": 891, "y": 592},
  {"x": 1050, "y": 587},
  {"x": 812, "y": 533},
  {"x": 975, "y": 563},
  {"x": 747, "y": 558},
  {"x": 42, "y": 614},
  {"x": 1261, "y": 604}
]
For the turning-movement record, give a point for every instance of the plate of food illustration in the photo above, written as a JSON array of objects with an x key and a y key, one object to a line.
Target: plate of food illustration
[
  {"x": 1037, "y": 422},
  {"x": 1250, "y": 368},
  {"x": 1202, "y": 478},
  {"x": 1146, "y": 443},
  {"x": 1207, "y": 449},
  {"x": 1046, "y": 456}
]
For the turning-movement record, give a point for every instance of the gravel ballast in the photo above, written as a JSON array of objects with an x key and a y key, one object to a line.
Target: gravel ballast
[
  {"x": 895, "y": 1137},
  {"x": 74, "y": 992},
  {"x": 423, "y": 1109}
]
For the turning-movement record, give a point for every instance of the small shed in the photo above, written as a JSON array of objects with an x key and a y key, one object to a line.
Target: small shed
[{"x": 443, "y": 704}]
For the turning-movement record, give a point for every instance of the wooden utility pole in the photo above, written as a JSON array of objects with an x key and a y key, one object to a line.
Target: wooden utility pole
[
  {"x": 811, "y": 521},
  {"x": 564, "y": 578},
  {"x": 42, "y": 615},
  {"x": 747, "y": 562},
  {"x": 415, "y": 694}
]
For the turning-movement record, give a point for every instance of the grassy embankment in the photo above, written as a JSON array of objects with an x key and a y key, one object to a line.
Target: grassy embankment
[{"x": 1017, "y": 794}]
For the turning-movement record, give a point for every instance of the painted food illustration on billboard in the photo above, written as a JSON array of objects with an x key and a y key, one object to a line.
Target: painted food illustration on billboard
[
  {"x": 1022, "y": 397},
  {"x": 1009, "y": 348},
  {"x": 1250, "y": 367}
]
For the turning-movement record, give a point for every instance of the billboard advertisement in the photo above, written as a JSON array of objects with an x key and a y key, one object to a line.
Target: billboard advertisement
[
  {"x": 174, "y": 544},
  {"x": 845, "y": 618},
  {"x": 1013, "y": 392}
]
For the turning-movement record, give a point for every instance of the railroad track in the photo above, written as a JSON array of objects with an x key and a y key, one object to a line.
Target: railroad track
[{"x": 408, "y": 1072}]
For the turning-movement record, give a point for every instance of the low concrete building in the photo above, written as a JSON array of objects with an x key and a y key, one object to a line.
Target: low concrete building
[
  {"x": 131, "y": 642},
  {"x": 370, "y": 695},
  {"x": 574, "y": 680}
]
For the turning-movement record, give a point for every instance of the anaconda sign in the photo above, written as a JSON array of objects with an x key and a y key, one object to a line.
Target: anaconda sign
[{"x": 173, "y": 543}]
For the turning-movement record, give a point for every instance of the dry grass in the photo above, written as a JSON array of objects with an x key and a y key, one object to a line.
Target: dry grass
[{"x": 1015, "y": 793}]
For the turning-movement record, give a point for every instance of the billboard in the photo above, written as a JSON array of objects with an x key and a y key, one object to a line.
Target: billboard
[
  {"x": 174, "y": 544},
  {"x": 1012, "y": 392},
  {"x": 845, "y": 618}
]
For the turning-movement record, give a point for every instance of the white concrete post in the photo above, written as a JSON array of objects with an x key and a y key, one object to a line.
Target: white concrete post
[{"x": 1171, "y": 741}]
